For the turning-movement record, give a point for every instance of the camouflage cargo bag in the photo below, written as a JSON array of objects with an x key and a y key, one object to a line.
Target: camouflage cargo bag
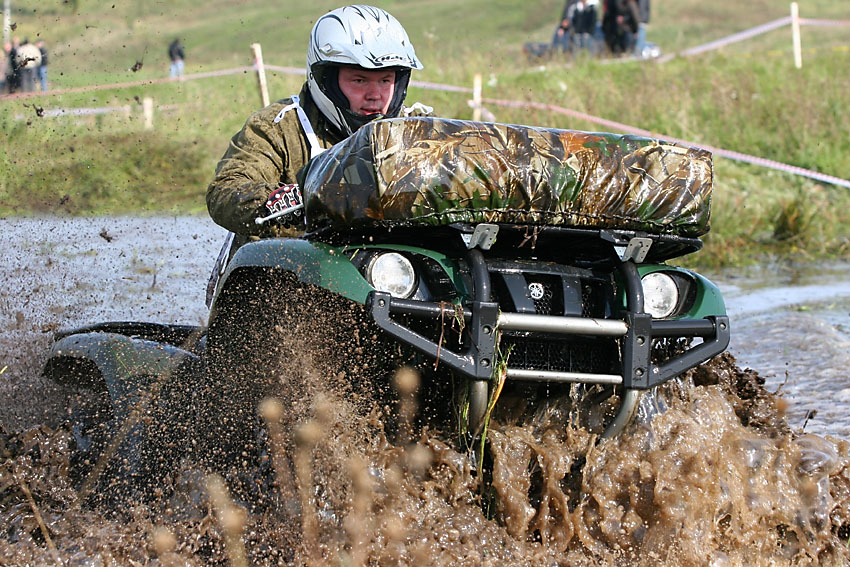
[{"x": 433, "y": 171}]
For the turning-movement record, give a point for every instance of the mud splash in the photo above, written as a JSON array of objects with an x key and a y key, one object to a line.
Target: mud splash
[{"x": 710, "y": 475}]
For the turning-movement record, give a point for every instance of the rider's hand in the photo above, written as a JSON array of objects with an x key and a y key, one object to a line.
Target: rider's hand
[{"x": 282, "y": 198}]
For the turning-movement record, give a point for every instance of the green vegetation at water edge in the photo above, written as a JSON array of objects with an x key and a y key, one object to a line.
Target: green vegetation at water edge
[{"x": 747, "y": 97}]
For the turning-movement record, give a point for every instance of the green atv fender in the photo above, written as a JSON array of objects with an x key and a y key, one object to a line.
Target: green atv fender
[
  {"x": 111, "y": 357},
  {"x": 318, "y": 264},
  {"x": 328, "y": 267}
]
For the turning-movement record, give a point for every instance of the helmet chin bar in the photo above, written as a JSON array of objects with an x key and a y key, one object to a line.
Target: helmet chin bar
[{"x": 354, "y": 121}]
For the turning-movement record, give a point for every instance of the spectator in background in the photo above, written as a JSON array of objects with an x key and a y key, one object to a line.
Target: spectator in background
[
  {"x": 643, "y": 20},
  {"x": 619, "y": 25},
  {"x": 562, "y": 38},
  {"x": 13, "y": 75},
  {"x": 42, "y": 69},
  {"x": 584, "y": 19},
  {"x": 176, "y": 54},
  {"x": 27, "y": 60}
]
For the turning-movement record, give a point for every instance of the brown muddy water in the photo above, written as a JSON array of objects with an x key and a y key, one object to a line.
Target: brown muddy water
[{"x": 718, "y": 471}]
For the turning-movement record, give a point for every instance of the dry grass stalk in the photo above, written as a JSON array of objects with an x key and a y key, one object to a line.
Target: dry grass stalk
[
  {"x": 231, "y": 519},
  {"x": 271, "y": 410},
  {"x": 406, "y": 382},
  {"x": 306, "y": 437},
  {"x": 394, "y": 525},
  {"x": 35, "y": 511},
  {"x": 358, "y": 524},
  {"x": 41, "y": 525}
]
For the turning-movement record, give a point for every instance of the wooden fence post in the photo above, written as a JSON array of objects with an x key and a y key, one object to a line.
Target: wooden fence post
[
  {"x": 795, "y": 35},
  {"x": 147, "y": 109},
  {"x": 476, "y": 98},
  {"x": 261, "y": 72}
]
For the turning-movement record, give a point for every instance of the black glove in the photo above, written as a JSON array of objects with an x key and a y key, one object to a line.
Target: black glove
[{"x": 284, "y": 206}]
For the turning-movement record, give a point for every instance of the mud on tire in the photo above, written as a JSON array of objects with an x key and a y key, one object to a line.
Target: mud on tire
[{"x": 272, "y": 335}]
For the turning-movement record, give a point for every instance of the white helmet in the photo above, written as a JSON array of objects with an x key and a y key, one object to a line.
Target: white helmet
[{"x": 364, "y": 36}]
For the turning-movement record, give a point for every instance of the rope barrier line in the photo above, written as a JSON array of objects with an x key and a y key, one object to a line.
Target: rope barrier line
[
  {"x": 728, "y": 154},
  {"x": 752, "y": 32},
  {"x": 823, "y": 23},
  {"x": 740, "y": 36},
  {"x": 807, "y": 51},
  {"x": 147, "y": 82},
  {"x": 439, "y": 87},
  {"x": 287, "y": 70},
  {"x": 610, "y": 124}
]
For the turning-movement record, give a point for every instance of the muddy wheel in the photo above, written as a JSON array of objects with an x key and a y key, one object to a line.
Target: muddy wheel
[
  {"x": 128, "y": 451},
  {"x": 91, "y": 423},
  {"x": 108, "y": 462},
  {"x": 273, "y": 336}
]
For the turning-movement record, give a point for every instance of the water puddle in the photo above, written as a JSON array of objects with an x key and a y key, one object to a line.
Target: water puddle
[{"x": 793, "y": 327}]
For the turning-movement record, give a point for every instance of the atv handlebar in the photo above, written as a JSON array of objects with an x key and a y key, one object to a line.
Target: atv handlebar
[{"x": 278, "y": 214}]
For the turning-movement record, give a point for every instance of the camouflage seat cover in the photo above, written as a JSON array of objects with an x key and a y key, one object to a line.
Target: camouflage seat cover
[{"x": 432, "y": 171}]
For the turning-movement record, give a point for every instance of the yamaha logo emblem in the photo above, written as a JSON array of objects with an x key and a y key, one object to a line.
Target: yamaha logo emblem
[{"x": 536, "y": 291}]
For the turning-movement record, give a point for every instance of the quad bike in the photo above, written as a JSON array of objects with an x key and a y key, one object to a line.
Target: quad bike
[{"x": 504, "y": 262}]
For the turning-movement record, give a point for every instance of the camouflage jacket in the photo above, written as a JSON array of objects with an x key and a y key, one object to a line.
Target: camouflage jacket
[{"x": 260, "y": 157}]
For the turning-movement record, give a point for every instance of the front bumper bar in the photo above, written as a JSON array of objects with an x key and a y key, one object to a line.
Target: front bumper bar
[{"x": 483, "y": 320}]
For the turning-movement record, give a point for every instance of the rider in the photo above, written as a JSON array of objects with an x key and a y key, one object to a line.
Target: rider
[{"x": 358, "y": 68}]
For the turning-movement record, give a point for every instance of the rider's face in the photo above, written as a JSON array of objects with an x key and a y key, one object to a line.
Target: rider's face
[{"x": 368, "y": 92}]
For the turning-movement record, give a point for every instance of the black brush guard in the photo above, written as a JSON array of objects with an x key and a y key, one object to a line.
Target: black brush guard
[{"x": 483, "y": 321}]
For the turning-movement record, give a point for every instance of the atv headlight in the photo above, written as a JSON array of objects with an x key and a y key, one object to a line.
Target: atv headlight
[
  {"x": 661, "y": 294},
  {"x": 392, "y": 273}
]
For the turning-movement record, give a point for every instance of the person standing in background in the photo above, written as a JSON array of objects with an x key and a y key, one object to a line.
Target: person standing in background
[
  {"x": 42, "y": 69},
  {"x": 584, "y": 19},
  {"x": 643, "y": 21},
  {"x": 619, "y": 25},
  {"x": 562, "y": 38},
  {"x": 13, "y": 74},
  {"x": 27, "y": 60},
  {"x": 176, "y": 54}
]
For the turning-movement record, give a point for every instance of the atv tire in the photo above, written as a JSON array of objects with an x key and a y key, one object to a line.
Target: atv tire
[{"x": 274, "y": 336}]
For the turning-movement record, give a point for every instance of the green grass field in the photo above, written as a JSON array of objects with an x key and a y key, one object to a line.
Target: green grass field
[{"x": 747, "y": 97}]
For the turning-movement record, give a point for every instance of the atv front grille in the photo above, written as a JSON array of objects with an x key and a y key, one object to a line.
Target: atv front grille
[
  {"x": 566, "y": 354},
  {"x": 551, "y": 290},
  {"x": 556, "y": 291},
  {"x": 553, "y": 323}
]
